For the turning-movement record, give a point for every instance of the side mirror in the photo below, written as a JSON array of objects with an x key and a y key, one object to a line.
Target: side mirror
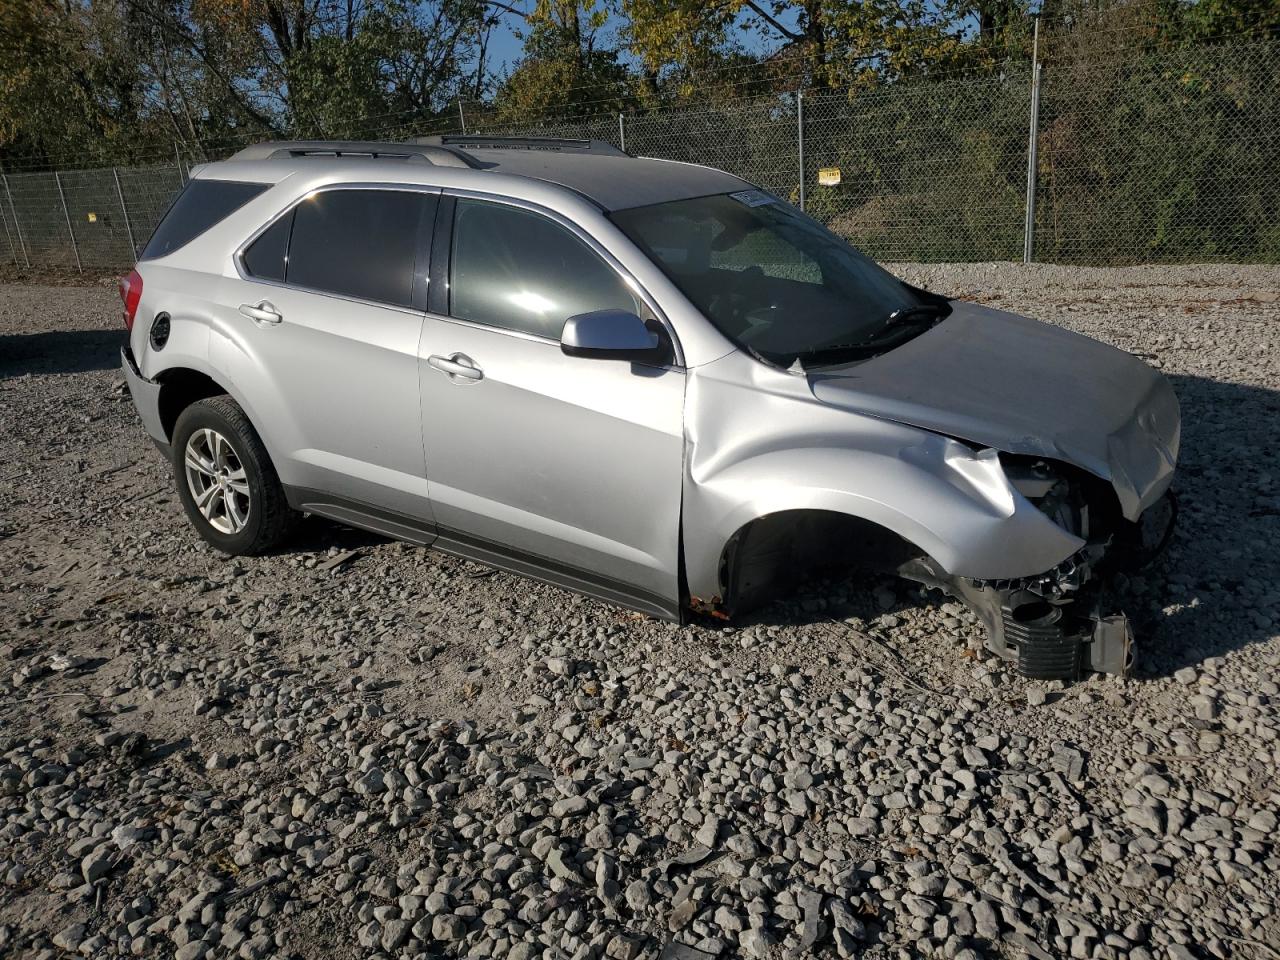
[{"x": 612, "y": 335}]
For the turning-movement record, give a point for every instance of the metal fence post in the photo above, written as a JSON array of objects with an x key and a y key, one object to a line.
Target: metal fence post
[
  {"x": 622, "y": 133},
  {"x": 8, "y": 234},
  {"x": 75, "y": 247},
  {"x": 8, "y": 237},
  {"x": 1029, "y": 226},
  {"x": 800, "y": 140},
  {"x": 177, "y": 158},
  {"x": 462, "y": 117},
  {"x": 124, "y": 209},
  {"x": 17, "y": 226}
]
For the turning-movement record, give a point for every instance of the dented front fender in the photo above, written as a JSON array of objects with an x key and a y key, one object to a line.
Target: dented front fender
[{"x": 760, "y": 443}]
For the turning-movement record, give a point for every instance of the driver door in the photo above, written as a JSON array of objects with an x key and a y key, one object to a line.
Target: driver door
[{"x": 567, "y": 468}]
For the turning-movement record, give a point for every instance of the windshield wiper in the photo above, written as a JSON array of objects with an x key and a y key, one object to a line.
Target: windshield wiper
[
  {"x": 859, "y": 350},
  {"x": 901, "y": 319},
  {"x": 921, "y": 311}
]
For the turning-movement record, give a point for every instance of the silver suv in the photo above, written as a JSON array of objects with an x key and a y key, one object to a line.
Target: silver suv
[{"x": 647, "y": 381}]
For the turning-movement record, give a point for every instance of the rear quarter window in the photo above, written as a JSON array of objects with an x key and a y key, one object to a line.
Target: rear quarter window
[
  {"x": 202, "y": 204},
  {"x": 265, "y": 258}
]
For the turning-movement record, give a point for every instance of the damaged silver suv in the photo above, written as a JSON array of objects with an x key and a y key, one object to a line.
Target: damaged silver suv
[{"x": 647, "y": 381}]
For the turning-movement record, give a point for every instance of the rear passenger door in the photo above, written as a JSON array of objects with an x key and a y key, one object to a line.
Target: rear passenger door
[{"x": 323, "y": 328}]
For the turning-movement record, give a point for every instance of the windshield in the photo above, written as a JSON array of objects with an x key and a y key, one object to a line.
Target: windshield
[{"x": 775, "y": 281}]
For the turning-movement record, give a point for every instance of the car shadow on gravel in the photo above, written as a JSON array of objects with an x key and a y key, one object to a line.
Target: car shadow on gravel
[
  {"x": 1225, "y": 556},
  {"x": 61, "y": 351},
  {"x": 318, "y": 535}
]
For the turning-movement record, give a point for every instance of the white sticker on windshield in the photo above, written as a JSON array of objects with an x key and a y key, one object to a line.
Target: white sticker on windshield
[{"x": 752, "y": 198}]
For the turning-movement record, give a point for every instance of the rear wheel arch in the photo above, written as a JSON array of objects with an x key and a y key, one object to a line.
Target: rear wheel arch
[{"x": 180, "y": 387}]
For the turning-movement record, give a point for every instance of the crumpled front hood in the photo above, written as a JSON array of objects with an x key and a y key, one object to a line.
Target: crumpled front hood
[{"x": 1024, "y": 387}]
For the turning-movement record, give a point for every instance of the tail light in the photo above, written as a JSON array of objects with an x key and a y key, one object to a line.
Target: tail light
[{"x": 130, "y": 294}]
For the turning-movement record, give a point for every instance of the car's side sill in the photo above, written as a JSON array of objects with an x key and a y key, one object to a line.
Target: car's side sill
[
  {"x": 424, "y": 533},
  {"x": 553, "y": 572},
  {"x": 398, "y": 526}
]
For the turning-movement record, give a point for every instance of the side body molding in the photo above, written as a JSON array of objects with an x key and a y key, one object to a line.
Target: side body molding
[{"x": 758, "y": 442}]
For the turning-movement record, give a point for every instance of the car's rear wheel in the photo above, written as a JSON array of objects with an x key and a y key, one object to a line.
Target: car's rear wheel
[{"x": 225, "y": 479}]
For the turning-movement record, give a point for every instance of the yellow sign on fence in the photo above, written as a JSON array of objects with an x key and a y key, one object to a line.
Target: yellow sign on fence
[{"x": 829, "y": 177}]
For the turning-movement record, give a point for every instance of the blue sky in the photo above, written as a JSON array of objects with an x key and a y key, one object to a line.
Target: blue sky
[{"x": 504, "y": 45}]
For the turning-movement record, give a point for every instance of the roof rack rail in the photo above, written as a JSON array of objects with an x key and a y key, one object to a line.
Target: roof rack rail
[
  {"x": 554, "y": 144},
  {"x": 292, "y": 149}
]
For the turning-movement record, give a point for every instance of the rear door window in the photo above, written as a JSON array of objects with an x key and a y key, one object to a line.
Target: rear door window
[
  {"x": 202, "y": 204},
  {"x": 360, "y": 243}
]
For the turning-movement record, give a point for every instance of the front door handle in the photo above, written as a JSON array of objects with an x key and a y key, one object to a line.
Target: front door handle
[
  {"x": 262, "y": 312},
  {"x": 457, "y": 366}
]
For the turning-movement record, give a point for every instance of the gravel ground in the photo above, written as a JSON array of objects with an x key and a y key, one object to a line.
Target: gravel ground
[{"x": 392, "y": 753}]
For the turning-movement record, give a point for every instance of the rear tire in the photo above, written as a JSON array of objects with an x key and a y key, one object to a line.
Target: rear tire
[{"x": 227, "y": 484}]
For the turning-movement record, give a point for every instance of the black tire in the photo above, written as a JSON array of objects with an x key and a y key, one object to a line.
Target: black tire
[{"x": 268, "y": 517}]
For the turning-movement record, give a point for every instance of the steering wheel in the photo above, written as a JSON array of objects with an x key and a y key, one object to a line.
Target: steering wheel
[
  {"x": 756, "y": 322},
  {"x": 733, "y": 306}
]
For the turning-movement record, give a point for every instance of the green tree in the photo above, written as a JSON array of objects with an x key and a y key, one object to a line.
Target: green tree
[
  {"x": 1198, "y": 19},
  {"x": 68, "y": 80},
  {"x": 339, "y": 67},
  {"x": 838, "y": 42},
  {"x": 568, "y": 63},
  {"x": 116, "y": 79}
]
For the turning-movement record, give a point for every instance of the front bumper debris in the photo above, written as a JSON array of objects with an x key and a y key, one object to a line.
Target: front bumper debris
[
  {"x": 1059, "y": 646},
  {"x": 1063, "y": 624}
]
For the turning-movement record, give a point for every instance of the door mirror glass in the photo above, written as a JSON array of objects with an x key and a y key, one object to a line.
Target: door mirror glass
[{"x": 611, "y": 335}]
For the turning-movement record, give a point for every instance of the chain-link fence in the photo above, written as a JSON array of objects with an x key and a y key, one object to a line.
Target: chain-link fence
[
  {"x": 83, "y": 219},
  {"x": 1165, "y": 156},
  {"x": 932, "y": 171},
  {"x": 1170, "y": 157}
]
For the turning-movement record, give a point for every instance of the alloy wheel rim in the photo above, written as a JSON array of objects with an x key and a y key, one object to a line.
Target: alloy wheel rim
[{"x": 217, "y": 481}]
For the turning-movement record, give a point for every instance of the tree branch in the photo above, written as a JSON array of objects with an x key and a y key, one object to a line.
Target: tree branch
[
  {"x": 229, "y": 85},
  {"x": 769, "y": 19},
  {"x": 507, "y": 8}
]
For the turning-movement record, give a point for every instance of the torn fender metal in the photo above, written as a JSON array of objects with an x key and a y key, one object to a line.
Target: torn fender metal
[
  {"x": 1025, "y": 387},
  {"x": 760, "y": 442}
]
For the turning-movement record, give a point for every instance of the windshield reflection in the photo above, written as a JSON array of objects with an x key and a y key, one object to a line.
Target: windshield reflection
[{"x": 777, "y": 282}]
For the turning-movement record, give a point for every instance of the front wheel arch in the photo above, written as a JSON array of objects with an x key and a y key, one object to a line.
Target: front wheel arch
[{"x": 768, "y": 556}]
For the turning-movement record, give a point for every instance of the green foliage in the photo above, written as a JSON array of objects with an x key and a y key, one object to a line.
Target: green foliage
[
  {"x": 930, "y": 170},
  {"x": 836, "y": 42},
  {"x": 1121, "y": 178},
  {"x": 1201, "y": 19},
  {"x": 1159, "y": 131},
  {"x": 68, "y": 78},
  {"x": 568, "y": 66},
  {"x": 335, "y": 83},
  {"x": 348, "y": 86},
  {"x": 130, "y": 76}
]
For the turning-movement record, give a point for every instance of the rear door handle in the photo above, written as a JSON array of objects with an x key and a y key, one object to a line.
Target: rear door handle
[
  {"x": 262, "y": 312},
  {"x": 457, "y": 366}
]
